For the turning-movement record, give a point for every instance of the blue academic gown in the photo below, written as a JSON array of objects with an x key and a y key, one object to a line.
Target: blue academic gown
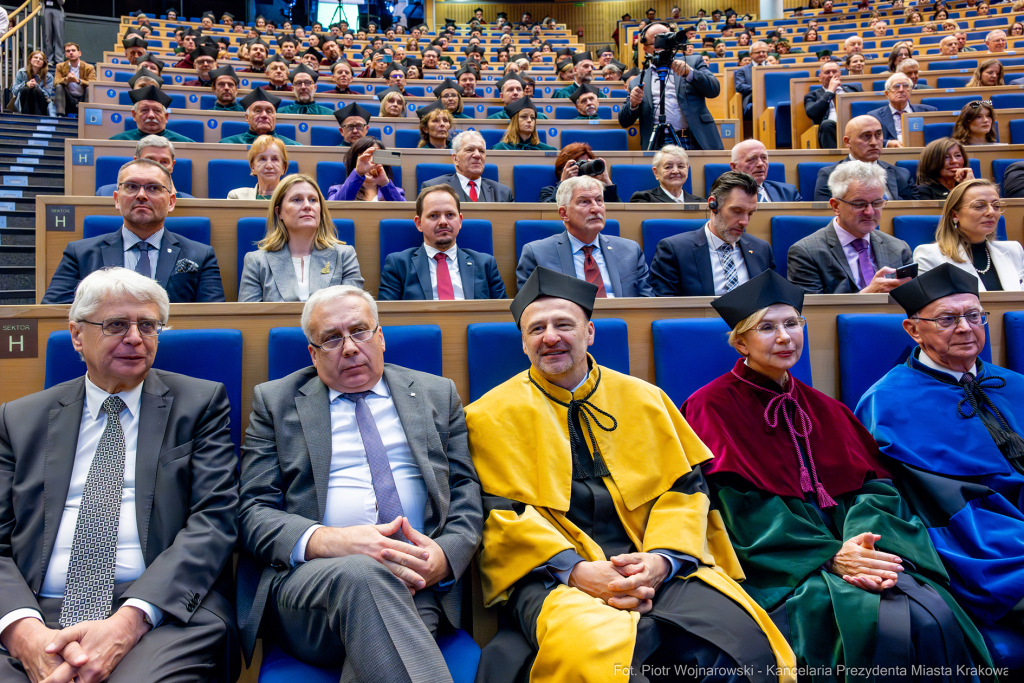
[{"x": 957, "y": 479}]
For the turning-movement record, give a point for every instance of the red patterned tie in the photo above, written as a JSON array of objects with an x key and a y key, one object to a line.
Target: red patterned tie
[
  {"x": 591, "y": 272},
  {"x": 472, "y": 191},
  {"x": 445, "y": 292}
]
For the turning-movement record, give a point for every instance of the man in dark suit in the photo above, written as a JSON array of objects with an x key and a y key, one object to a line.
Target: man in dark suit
[
  {"x": 751, "y": 157},
  {"x": 615, "y": 265},
  {"x": 850, "y": 254},
  {"x": 864, "y": 140},
  {"x": 469, "y": 154},
  {"x": 119, "y": 502},
  {"x": 687, "y": 112},
  {"x": 897, "y": 90},
  {"x": 360, "y": 507},
  {"x": 820, "y": 105},
  {"x": 186, "y": 269},
  {"x": 438, "y": 269},
  {"x": 1013, "y": 180},
  {"x": 743, "y": 78},
  {"x": 720, "y": 256}
]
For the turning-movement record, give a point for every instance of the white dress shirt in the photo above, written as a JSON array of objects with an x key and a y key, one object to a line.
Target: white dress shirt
[
  {"x": 578, "y": 257},
  {"x": 129, "y": 562},
  {"x": 762, "y": 195},
  {"x": 846, "y": 239},
  {"x": 832, "y": 115},
  {"x": 927, "y": 361},
  {"x": 131, "y": 256},
  {"x": 453, "y": 270},
  {"x": 718, "y": 268},
  {"x": 350, "y": 497},
  {"x": 464, "y": 182},
  {"x": 674, "y": 116},
  {"x": 301, "y": 266}
]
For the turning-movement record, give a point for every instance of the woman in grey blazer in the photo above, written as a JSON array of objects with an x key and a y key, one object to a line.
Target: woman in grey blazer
[{"x": 301, "y": 252}]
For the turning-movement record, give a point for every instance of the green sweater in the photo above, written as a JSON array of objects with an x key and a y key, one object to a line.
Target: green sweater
[
  {"x": 524, "y": 147},
  {"x": 310, "y": 109},
  {"x": 136, "y": 135},
  {"x": 235, "y": 106},
  {"x": 248, "y": 137}
]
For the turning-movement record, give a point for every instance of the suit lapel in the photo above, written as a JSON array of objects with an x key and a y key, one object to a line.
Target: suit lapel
[
  {"x": 467, "y": 271},
  {"x": 609, "y": 263},
  {"x": 1004, "y": 268},
  {"x": 280, "y": 263},
  {"x": 421, "y": 264},
  {"x": 454, "y": 181},
  {"x": 313, "y": 407},
  {"x": 113, "y": 250},
  {"x": 662, "y": 196},
  {"x": 750, "y": 258},
  {"x": 61, "y": 446},
  {"x": 702, "y": 258},
  {"x": 565, "y": 254},
  {"x": 890, "y": 180},
  {"x": 154, "y": 411},
  {"x": 412, "y": 414},
  {"x": 169, "y": 251},
  {"x": 836, "y": 249}
]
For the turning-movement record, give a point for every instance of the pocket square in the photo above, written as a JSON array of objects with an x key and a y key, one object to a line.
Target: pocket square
[{"x": 186, "y": 266}]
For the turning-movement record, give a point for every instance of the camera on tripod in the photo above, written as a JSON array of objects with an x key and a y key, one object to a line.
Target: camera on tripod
[{"x": 666, "y": 45}]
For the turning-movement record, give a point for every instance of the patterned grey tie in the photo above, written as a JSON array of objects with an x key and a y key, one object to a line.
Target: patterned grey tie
[
  {"x": 89, "y": 590},
  {"x": 142, "y": 267},
  {"x": 389, "y": 505},
  {"x": 762, "y": 194},
  {"x": 732, "y": 278}
]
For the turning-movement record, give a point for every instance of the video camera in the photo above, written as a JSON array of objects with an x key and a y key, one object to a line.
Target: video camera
[{"x": 666, "y": 45}]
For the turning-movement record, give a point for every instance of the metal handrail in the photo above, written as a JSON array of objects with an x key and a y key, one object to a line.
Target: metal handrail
[{"x": 15, "y": 44}]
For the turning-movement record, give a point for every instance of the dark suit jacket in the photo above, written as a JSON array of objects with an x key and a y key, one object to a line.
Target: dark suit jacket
[
  {"x": 286, "y": 463},
  {"x": 817, "y": 263},
  {"x": 743, "y": 80},
  {"x": 489, "y": 191},
  {"x": 85, "y": 256},
  {"x": 816, "y": 102},
  {"x": 901, "y": 184},
  {"x": 782, "y": 192},
  {"x": 659, "y": 196},
  {"x": 406, "y": 275},
  {"x": 623, "y": 258},
  {"x": 549, "y": 194},
  {"x": 692, "y": 98},
  {"x": 682, "y": 264},
  {"x": 1013, "y": 179},
  {"x": 888, "y": 125},
  {"x": 186, "y": 493}
]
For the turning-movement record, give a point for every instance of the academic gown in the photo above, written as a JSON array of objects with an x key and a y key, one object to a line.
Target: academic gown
[
  {"x": 548, "y": 505},
  {"x": 785, "y": 530},
  {"x": 461, "y": 115},
  {"x": 524, "y": 147},
  {"x": 307, "y": 109},
  {"x": 136, "y": 135},
  {"x": 235, "y": 106},
  {"x": 248, "y": 137},
  {"x": 567, "y": 91},
  {"x": 955, "y": 477},
  {"x": 503, "y": 115}
]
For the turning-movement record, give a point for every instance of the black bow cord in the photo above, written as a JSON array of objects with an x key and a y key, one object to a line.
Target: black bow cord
[{"x": 586, "y": 413}]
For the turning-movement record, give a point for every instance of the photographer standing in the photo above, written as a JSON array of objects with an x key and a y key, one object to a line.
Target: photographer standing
[
  {"x": 687, "y": 112},
  {"x": 568, "y": 165}
]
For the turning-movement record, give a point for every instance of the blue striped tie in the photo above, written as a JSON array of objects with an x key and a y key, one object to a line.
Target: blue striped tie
[{"x": 732, "y": 278}]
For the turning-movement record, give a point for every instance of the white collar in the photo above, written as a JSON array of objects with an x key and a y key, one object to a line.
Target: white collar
[
  {"x": 452, "y": 252},
  {"x": 927, "y": 361},
  {"x": 94, "y": 398},
  {"x": 682, "y": 194},
  {"x": 578, "y": 244},
  {"x": 380, "y": 389}
]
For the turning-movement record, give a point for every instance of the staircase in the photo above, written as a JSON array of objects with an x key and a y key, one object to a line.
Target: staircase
[{"x": 31, "y": 163}]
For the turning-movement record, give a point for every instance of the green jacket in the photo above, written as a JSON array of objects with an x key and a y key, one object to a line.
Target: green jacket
[
  {"x": 136, "y": 135},
  {"x": 248, "y": 137},
  {"x": 310, "y": 109}
]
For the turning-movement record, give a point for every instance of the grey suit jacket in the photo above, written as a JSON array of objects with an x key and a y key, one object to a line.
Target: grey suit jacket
[
  {"x": 286, "y": 462},
  {"x": 624, "y": 259},
  {"x": 186, "y": 493},
  {"x": 270, "y": 276},
  {"x": 817, "y": 263},
  {"x": 490, "y": 191}
]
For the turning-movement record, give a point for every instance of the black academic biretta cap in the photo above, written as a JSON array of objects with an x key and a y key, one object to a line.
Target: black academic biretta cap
[
  {"x": 519, "y": 105},
  {"x": 583, "y": 90},
  {"x": 823, "y": 53},
  {"x": 150, "y": 57},
  {"x": 423, "y": 111},
  {"x": 629, "y": 74},
  {"x": 144, "y": 73},
  {"x": 617, "y": 63},
  {"x": 204, "y": 51},
  {"x": 501, "y": 15},
  {"x": 447, "y": 84},
  {"x": 225, "y": 70},
  {"x": 564, "y": 65},
  {"x": 510, "y": 77},
  {"x": 938, "y": 282},
  {"x": 581, "y": 56},
  {"x": 259, "y": 95},
  {"x": 211, "y": 15},
  {"x": 414, "y": 61},
  {"x": 765, "y": 290},
  {"x": 134, "y": 41},
  {"x": 150, "y": 92},
  {"x": 303, "y": 69},
  {"x": 387, "y": 91},
  {"x": 287, "y": 39},
  {"x": 315, "y": 52},
  {"x": 394, "y": 66},
  {"x": 563, "y": 52},
  {"x": 351, "y": 109},
  {"x": 546, "y": 282},
  {"x": 229, "y": 15}
]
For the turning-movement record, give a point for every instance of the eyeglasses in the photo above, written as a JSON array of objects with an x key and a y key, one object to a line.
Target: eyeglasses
[
  {"x": 901, "y": 86},
  {"x": 791, "y": 326},
  {"x": 132, "y": 189},
  {"x": 338, "y": 340},
  {"x": 984, "y": 206},
  {"x": 118, "y": 327},
  {"x": 946, "y": 322},
  {"x": 860, "y": 206},
  {"x": 979, "y": 103},
  {"x": 353, "y": 127}
]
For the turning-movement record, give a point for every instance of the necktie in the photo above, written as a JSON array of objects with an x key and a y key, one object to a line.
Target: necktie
[
  {"x": 142, "y": 267},
  {"x": 732, "y": 278},
  {"x": 591, "y": 272},
  {"x": 89, "y": 590},
  {"x": 762, "y": 194},
  {"x": 899, "y": 126},
  {"x": 472, "y": 191},
  {"x": 389, "y": 505},
  {"x": 445, "y": 292},
  {"x": 867, "y": 269}
]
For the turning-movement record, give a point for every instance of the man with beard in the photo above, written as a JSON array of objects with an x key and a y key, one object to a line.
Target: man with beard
[
  {"x": 261, "y": 115},
  {"x": 304, "y": 86}
]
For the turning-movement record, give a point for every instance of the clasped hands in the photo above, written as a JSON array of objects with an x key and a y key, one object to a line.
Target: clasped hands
[
  {"x": 418, "y": 564},
  {"x": 627, "y": 582},
  {"x": 862, "y": 566}
]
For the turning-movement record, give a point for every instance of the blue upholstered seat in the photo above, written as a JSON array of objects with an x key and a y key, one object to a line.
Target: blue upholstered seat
[
  {"x": 107, "y": 168},
  {"x": 530, "y": 179},
  {"x": 788, "y": 230},
  {"x": 195, "y": 228},
  {"x": 1013, "y": 323},
  {"x": 599, "y": 140},
  {"x": 654, "y": 230},
  {"x": 399, "y": 234},
  {"x": 918, "y": 230},
  {"x": 225, "y": 175}
]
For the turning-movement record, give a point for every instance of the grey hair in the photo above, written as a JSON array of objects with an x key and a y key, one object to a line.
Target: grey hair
[
  {"x": 888, "y": 81},
  {"x": 322, "y": 296},
  {"x": 855, "y": 171},
  {"x": 908, "y": 63},
  {"x": 992, "y": 33},
  {"x": 670, "y": 151},
  {"x": 568, "y": 188},
  {"x": 135, "y": 107},
  {"x": 112, "y": 283},
  {"x": 461, "y": 137},
  {"x": 145, "y": 162},
  {"x": 153, "y": 141}
]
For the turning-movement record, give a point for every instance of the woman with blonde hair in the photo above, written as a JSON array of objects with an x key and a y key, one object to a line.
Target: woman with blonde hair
[
  {"x": 976, "y": 124},
  {"x": 33, "y": 87},
  {"x": 268, "y": 161},
  {"x": 966, "y": 238},
  {"x": 436, "y": 125},
  {"x": 522, "y": 128},
  {"x": 301, "y": 252},
  {"x": 450, "y": 95},
  {"x": 989, "y": 74},
  {"x": 392, "y": 105}
]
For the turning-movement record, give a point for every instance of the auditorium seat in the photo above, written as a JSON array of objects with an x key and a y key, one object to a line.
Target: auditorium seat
[
  {"x": 460, "y": 652},
  {"x": 690, "y": 352},
  {"x": 632, "y": 178},
  {"x": 229, "y": 128},
  {"x": 776, "y": 88},
  {"x": 776, "y": 172},
  {"x": 107, "y": 168},
  {"x": 330, "y": 173},
  {"x": 807, "y": 177},
  {"x": 225, "y": 175},
  {"x": 417, "y": 347},
  {"x": 862, "y": 107},
  {"x": 871, "y": 344},
  {"x": 407, "y": 138},
  {"x": 1013, "y": 323},
  {"x": 495, "y": 352},
  {"x": 788, "y": 230},
  {"x": 918, "y": 230},
  {"x": 653, "y": 230},
  {"x": 999, "y": 167},
  {"x": 532, "y": 230},
  {"x": 570, "y": 113},
  {"x": 1008, "y": 100},
  {"x": 178, "y": 351},
  {"x": 178, "y": 100},
  {"x": 944, "y": 82},
  {"x": 193, "y": 130},
  {"x": 529, "y": 179},
  {"x": 195, "y": 228},
  {"x": 252, "y": 230},
  {"x": 599, "y": 140},
  {"x": 950, "y": 103},
  {"x": 399, "y": 234},
  {"x": 425, "y": 172}
]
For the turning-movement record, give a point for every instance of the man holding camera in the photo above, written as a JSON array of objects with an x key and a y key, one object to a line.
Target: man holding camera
[{"x": 687, "y": 111}]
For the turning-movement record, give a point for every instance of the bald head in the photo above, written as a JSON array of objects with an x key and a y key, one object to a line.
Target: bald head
[
  {"x": 948, "y": 46},
  {"x": 751, "y": 157},
  {"x": 863, "y": 135}
]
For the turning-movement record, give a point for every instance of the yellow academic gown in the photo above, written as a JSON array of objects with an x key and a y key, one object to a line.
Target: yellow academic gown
[{"x": 519, "y": 441}]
